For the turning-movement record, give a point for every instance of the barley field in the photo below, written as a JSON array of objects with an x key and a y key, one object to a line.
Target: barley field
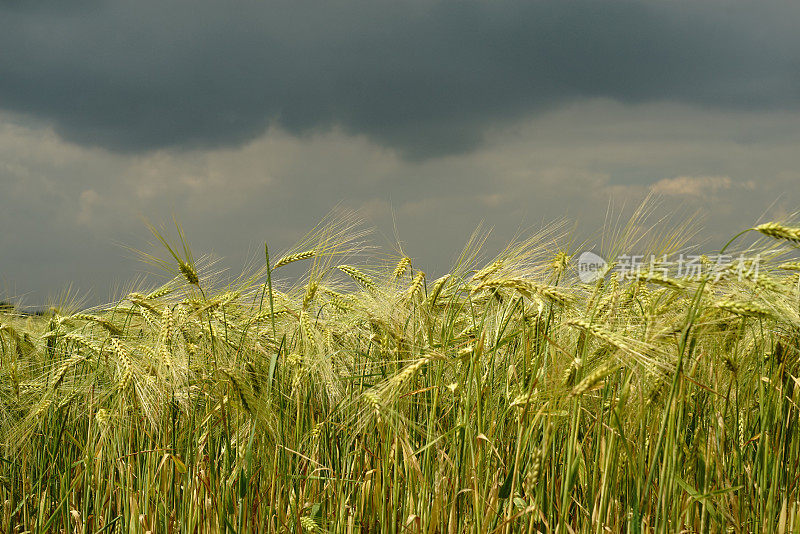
[{"x": 337, "y": 388}]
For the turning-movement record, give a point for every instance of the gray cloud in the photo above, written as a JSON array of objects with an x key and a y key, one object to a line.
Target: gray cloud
[
  {"x": 69, "y": 207},
  {"x": 426, "y": 78}
]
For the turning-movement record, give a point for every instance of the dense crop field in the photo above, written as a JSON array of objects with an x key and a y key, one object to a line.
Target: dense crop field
[{"x": 334, "y": 390}]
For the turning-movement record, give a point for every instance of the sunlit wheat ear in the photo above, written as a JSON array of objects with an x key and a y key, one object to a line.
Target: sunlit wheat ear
[
  {"x": 97, "y": 320},
  {"x": 68, "y": 364},
  {"x": 641, "y": 352},
  {"x": 560, "y": 262},
  {"x": 416, "y": 284},
  {"x": 150, "y": 318},
  {"x": 342, "y": 302},
  {"x": 661, "y": 280},
  {"x": 188, "y": 271},
  {"x": 358, "y": 276},
  {"x": 743, "y": 308},
  {"x": 402, "y": 265},
  {"x": 160, "y": 292},
  {"x": 534, "y": 472},
  {"x": 81, "y": 341},
  {"x": 165, "y": 336},
  {"x": 408, "y": 372},
  {"x": 763, "y": 280},
  {"x": 374, "y": 402},
  {"x": 594, "y": 379},
  {"x": 309, "y": 524},
  {"x": 436, "y": 290},
  {"x": 790, "y": 266},
  {"x": 307, "y": 331},
  {"x": 268, "y": 314},
  {"x": 528, "y": 289},
  {"x": 311, "y": 290},
  {"x": 779, "y": 231},
  {"x": 488, "y": 270},
  {"x": 143, "y": 301},
  {"x": 253, "y": 375},
  {"x": 572, "y": 371},
  {"x": 124, "y": 363},
  {"x": 291, "y": 258},
  {"x": 43, "y": 405},
  {"x": 242, "y": 390},
  {"x": 167, "y": 325}
]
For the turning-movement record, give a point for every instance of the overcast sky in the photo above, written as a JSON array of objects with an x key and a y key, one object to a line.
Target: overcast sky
[{"x": 248, "y": 121}]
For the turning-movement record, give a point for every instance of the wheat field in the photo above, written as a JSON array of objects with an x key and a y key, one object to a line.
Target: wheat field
[{"x": 336, "y": 388}]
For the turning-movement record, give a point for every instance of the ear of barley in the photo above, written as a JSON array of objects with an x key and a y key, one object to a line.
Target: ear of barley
[
  {"x": 291, "y": 258},
  {"x": 343, "y": 302},
  {"x": 308, "y": 523},
  {"x": 528, "y": 289},
  {"x": 373, "y": 401},
  {"x": 165, "y": 336},
  {"x": 188, "y": 271},
  {"x": 358, "y": 276},
  {"x": 110, "y": 327},
  {"x": 572, "y": 371},
  {"x": 268, "y": 314},
  {"x": 741, "y": 430},
  {"x": 180, "y": 315},
  {"x": 765, "y": 281},
  {"x": 436, "y": 290},
  {"x": 226, "y": 320},
  {"x": 488, "y": 270},
  {"x": 102, "y": 417},
  {"x": 68, "y": 364},
  {"x": 593, "y": 380},
  {"x": 124, "y": 363},
  {"x": 165, "y": 355},
  {"x": 779, "y": 231},
  {"x": 254, "y": 377},
  {"x": 524, "y": 398},
  {"x": 660, "y": 279},
  {"x": 167, "y": 325},
  {"x": 600, "y": 333},
  {"x": 416, "y": 284},
  {"x": 161, "y": 292},
  {"x": 81, "y": 341},
  {"x": 790, "y": 266},
  {"x": 228, "y": 297},
  {"x": 140, "y": 300},
  {"x": 730, "y": 364},
  {"x": 311, "y": 290},
  {"x": 409, "y": 371},
  {"x": 743, "y": 308},
  {"x": 315, "y": 432},
  {"x": 657, "y": 388},
  {"x": 535, "y": 471},
  {"x": 42, "y": 407},
  {"x": 469, "y": 331},
  {"x": 307, "y": 330},
  {"x": 560, "y": 261},
  {"x": 242, "y": 391},
  {"x": 150, "y": 319},
  {"x": 402, "y": 265}
]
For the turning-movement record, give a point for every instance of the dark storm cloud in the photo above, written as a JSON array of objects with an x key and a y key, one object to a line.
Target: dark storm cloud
[{"x": 424, "y": 77}]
